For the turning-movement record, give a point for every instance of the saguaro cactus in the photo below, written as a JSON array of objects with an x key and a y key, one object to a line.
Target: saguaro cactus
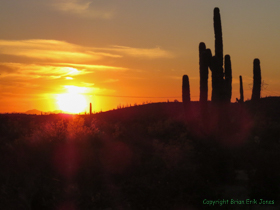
[
  {"x": 218, "y": 37},
  {"x": 186, "y": 91},
  {"x": 256, "y": 93},
  {"x": 203, "y": 71},
  {"x": 241, "y": 100},
  {"x": 217, "y": 80},
  {"x": 90, "y": 108},
  {"x": 228, "y": 79},
  {"x": 217, "y": 61}
]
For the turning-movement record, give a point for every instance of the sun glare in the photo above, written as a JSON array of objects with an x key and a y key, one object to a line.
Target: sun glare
[{"x": 72, "y": 102}]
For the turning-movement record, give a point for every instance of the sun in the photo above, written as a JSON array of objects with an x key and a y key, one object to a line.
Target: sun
[{"x": 72, "y": 102}]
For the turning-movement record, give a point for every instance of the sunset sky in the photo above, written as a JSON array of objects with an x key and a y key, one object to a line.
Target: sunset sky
[{"x": 104, "y": 50}]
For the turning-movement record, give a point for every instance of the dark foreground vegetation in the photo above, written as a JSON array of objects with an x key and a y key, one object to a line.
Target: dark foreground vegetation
[{"x": 145, "y": 157}]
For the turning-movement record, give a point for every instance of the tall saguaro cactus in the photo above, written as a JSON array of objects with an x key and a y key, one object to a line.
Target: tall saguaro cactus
[
  {"x": 217, "y": 61},
  {"x": 203, "y": 71},
  {"x": 218, "y": 37},
  {"x": 217, "y": 80},
  {"x": 228, "y": 79},
  {"x": 256, "y": 93}
]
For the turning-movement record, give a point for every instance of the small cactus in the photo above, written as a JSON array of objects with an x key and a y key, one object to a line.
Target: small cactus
[
  {"x": 186, "y": 91},
  {"x": 256, "y": 93},
  {"x": 241, "y": 100},
  {"x": 90, "y": 108}
]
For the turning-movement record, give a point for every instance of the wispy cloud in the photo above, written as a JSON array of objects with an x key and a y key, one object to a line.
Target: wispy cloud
[
  {"x": 69, "y": 78},
  {"x": 37, "y": 71},
  {"x": 52, "y": 71},
  {"x": 87, "y": 84},
  {"x": 150, "y": 53},
  {"x": 91, "y": 68},
  {"x": 81, "y": 8},
  {"x": 61, "y": 51},
  {"x": 48, "y": 50},
  {"x": 52, "y": 59}
]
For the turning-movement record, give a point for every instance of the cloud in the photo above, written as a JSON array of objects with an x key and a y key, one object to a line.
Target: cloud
[
  {"x": 91, "y": 68},
  {"x": 151, "y": 53},
  {"x": 6, "y": 69},
  {"x": 53, "y": 59},
  {"x": 37, "y": 71},
  {"x": 105, "y": 54},
  {"x": 64, "y": 52},
  {"x": 48, "y": 50},
  {"x": 52, "y": 71},
  {"x": 87, "y": 84},
  {"x": 81, "y": 8}
]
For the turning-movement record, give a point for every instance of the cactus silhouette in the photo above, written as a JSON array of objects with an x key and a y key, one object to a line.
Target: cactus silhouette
[
  {"x": 218, "y": 37},
  {"x": 228, "y": 79},
  {"x": 216, "y": 65},
  {"x": 186, "y": 92},
  {"x": 217, "y": 80},
  {"x": 222, "y": 70},
  {"x": 256, "y": 93},
  {"x": 241, "y": 100},
  {"x": 90, "y": 108},
  {"x": 203, "y": 71}
]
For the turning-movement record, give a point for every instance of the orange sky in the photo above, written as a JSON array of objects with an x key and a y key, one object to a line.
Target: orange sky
[{"x": 120, "y": 48}]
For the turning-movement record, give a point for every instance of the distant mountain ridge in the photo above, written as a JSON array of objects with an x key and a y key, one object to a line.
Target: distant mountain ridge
[
  {"x": 268, "y": 104},
  {"x": 38, "y": 112},
  {"x": 33, "y": 111}
]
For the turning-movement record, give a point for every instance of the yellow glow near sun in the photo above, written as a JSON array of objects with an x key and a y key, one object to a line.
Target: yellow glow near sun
[
  {"x": 71, "y": 70},
  {"x": 73, "y": 101}
]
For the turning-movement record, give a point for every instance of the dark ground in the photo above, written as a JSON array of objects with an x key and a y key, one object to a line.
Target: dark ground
[{"x": 153, "y": 156}]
